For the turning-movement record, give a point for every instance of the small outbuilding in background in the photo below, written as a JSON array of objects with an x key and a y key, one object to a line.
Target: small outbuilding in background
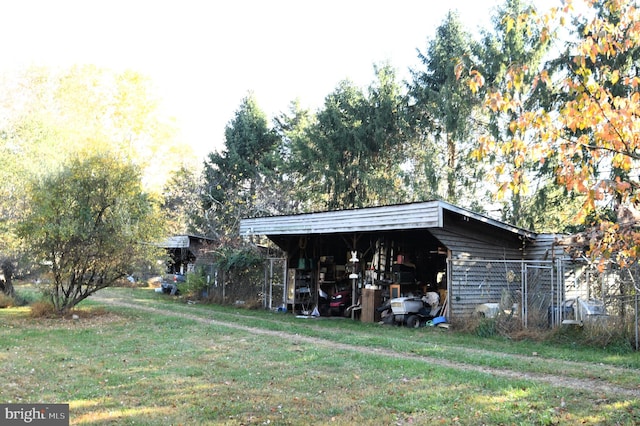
[{"x": 183, "y": 251}]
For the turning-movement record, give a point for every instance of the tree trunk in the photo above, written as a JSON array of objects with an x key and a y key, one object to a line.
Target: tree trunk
[
  {"x": 7, "y": 271},
  {"x": 451, "y": 166}
]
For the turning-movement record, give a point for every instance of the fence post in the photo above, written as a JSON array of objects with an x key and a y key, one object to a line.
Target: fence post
[
  {"x": 636, "y": 320},
  {"x": 266, "y": 297},
  {"x": 525, "y": 295}
]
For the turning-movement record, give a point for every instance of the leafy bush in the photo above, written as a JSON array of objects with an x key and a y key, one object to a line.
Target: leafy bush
[
  {"x": 240, "y": 276},
  {"x": 238, "y": 259},
  {"x": 87, "y": 221},
  {"x": 196, "y": 283},
  {"x": 6, "y": 301}
]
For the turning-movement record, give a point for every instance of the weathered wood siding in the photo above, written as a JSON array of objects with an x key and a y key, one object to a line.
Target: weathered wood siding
[
  {"x": 544, "y": 248},
  {"x": 474, "y": 282},
  {"x": 406, "y": 216},
  {"x": 466, "y": 235},
  {"x": 425, "y": 215},
  {"x": 470, "y": 238},
  {"x": 466, "y": 245}
]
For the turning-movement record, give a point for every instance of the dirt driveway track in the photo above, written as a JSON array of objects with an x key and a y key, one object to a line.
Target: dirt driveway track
[{"x": 598, "y": 386}]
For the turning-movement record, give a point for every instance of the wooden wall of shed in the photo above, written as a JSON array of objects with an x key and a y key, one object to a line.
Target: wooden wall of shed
[
  {"x": 465, "y": 286},
  {"x": 542, "y": 248},
  {"x": 470, "y": 244},
  {"x": 471, "y": 284}
]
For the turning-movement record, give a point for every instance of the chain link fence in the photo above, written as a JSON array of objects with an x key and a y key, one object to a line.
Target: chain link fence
[
  {"x": 273, "y": 289},
  {"x": 618, "y": 289},
  {"x": 261, "y": 285},
  {"x": 535, "y": 294},
  {"x": 525, "y": 290},
  {"x": 543, "y": 294}
]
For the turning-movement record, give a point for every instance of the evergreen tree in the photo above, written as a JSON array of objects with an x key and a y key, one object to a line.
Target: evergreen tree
[
  {"x": 240, "y": 178},
  {"x": 443, "y": 106},
  {"x": 352, "y": 152}
]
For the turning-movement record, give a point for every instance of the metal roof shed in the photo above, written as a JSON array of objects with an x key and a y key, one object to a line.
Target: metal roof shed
[
  {"x": 183, "y": 251},
  {"x": 432, "y": 233},
  {"x": 454, "y": 224}
]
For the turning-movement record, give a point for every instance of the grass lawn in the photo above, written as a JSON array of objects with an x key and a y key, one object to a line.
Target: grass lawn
[{"x": 163, "y": 362}]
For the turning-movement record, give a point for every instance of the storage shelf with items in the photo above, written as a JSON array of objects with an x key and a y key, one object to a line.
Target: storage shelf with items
[
  {"x": 301, "y": 289},
  {"x": 326, "y": 271},
  {"x": 326, "y": 279}
]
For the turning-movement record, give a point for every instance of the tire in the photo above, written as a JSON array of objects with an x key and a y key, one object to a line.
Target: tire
[
  {"x": 413, "y": 321},
  {"x": 388, "y": 320}
]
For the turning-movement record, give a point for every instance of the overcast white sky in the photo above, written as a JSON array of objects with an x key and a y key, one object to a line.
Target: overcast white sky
[{"x": 205, "y": 56}]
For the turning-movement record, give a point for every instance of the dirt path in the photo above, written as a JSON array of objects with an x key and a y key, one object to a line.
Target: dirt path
[{"x": 596, "y": 386}]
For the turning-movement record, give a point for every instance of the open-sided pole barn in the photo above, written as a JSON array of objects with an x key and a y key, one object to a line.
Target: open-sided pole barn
[
  {"x": 401, "y": 249},
  {"x": 183, "y": 251}
]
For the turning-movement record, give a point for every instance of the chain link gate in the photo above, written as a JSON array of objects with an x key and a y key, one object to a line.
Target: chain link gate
[
  {"x": 273, "y": 289},
  {"x": 540, "y": 295}
]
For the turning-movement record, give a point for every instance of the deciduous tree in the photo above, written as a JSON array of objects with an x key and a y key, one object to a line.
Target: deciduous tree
[
  {"x": 182, "y": 204},
  {"x": 50, "y": 115},
  {"x": 594, "y": 125},
  {"x": 91, "y": 223},
  {"x": 515, "y": 42}
]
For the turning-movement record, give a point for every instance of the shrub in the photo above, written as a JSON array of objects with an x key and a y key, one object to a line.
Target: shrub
[
  {"x": 6, "y": 301},
  {"x": 196, "y": 283},
  {"x": 86, "y": 221},
  {"x": 43, "y": 309},
  {"x": 237, "y": 274}
]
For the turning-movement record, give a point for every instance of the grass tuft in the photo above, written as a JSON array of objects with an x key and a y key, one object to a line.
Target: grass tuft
[{"x": 610, "y": 337}]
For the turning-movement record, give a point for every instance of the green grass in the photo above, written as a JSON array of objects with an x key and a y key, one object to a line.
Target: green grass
[{"x": 134, "y": 366}]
